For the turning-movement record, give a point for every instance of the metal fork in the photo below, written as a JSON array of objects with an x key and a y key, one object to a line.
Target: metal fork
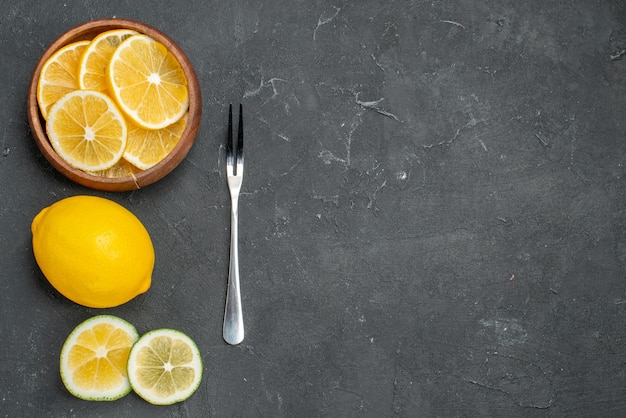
[{"x": 233, "y": 316}]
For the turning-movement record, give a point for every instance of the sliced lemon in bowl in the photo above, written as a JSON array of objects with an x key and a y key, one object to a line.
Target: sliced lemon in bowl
[
  {"x": 59, "y": 75},
  {"x": 164, "y": 366},
  {"x": 94, "y": 358},
  {"x": 121, "y": 169},
  {"x": 87, "y": 130},
  {"x": 92, "y": 68},
  {"x": 148, "y": 82},
  {"x": 147, "y": 147}
]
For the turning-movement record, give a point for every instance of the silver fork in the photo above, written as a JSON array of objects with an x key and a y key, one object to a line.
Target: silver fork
[{"x": 233, "y": 316}]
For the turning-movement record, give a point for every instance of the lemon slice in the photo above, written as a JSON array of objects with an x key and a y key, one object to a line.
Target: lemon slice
[
  {"x": 164, "y": 367},
  {"x": 94, "y": 358},
  {"x": 59, "y": 75},
  {"x": 147, "y": 147},
  {"x": 148, "y": 83},
  {"x": 96, "y": 57},
  {"x": 121, "y": 169},
  {"x": 87, "y": 130}
]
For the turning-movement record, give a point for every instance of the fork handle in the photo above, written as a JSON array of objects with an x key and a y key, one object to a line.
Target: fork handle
[{"x": 233, "y": 315}]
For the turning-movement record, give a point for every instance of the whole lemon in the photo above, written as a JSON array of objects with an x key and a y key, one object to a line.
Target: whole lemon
[{"x": 93, "y": 251}]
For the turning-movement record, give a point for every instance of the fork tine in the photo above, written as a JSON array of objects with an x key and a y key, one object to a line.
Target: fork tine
[
  {"x": 229, "y": 144},
  {"x": 240, "y": 136}
]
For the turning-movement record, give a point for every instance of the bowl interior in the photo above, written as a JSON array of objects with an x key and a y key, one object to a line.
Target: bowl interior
[{"x": 88, "y": 31}]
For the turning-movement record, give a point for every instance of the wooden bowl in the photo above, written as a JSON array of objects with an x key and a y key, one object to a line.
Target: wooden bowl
[{"x": 88, "y": 31}]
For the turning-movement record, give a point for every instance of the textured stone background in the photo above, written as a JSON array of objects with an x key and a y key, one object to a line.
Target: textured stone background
[{"x": 432, "y": 219}]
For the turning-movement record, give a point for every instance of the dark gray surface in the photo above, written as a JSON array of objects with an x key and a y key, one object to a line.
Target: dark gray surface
[{"x": 432, "y": 218}]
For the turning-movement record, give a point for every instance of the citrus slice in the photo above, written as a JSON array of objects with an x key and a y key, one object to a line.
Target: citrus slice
[
  {"x": 148, "y": 83},
  {"x": 164, "y": 367},
  {"x": 95, "y": 59},
  {"x": 87, "y": 130},
  {"x": 146, "y": 147},
  {"x": 94, "y": 358},
  {"x": 59, "y": 75},
  {"x": 121, "y": 169}
]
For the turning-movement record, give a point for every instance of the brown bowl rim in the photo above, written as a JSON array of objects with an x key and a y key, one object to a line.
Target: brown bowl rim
[{"x": 141, "y": 179}]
